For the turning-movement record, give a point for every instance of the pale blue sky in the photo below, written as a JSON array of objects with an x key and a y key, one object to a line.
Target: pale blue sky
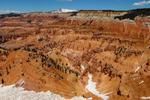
[{"x": 47, "y": 5}]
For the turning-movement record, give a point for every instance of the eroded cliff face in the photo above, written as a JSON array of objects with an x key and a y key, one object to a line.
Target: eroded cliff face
[{"x": 43, "y": 51}]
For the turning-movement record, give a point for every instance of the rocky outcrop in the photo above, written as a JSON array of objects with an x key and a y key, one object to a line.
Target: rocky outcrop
[{"x": 99, "y": 13}]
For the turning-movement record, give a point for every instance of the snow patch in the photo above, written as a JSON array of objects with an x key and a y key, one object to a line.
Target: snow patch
[
  {"x": 18, "y": 93},
  {"x": 62, "y": 10},
  {"x": 145, "y": 98},
  {"x": 141, "y": 82},
  {"x": 8, "y": 11},
  {"x": 92, "y": 88},
  {"x": 90, "y": 98},
  {"x": 82, "y": 66},
  {"x": 137, "y": 69}
]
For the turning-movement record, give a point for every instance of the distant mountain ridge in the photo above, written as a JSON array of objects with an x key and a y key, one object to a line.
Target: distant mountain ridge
[
  {"x": 62, "y": 10},
  {"x": 116, "y": 14},
  {"x": 8, "y": 11}
]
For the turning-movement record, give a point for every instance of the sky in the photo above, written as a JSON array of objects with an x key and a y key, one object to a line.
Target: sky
[{"x": 48, "y": 5}]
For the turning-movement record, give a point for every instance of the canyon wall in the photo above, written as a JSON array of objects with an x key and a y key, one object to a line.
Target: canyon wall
[{"x": 57, "y": 53}]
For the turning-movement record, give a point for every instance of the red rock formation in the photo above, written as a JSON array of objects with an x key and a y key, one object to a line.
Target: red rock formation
[{"x": 55, "y": 52}]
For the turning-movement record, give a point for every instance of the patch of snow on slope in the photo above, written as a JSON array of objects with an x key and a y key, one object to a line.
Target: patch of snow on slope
[
  {"x": 62, "y": 10},
  {"x": 145, "y": 98},
  {"x": 137, "y": 69},
  {"x": 8, "y": 11},
  {"x": 92, "y": 88},
  {"x": 141, "y": 82},
  {"x": 78, "y": 98},
  {"x": 82, "y": 66},
  {"x": 17, "y": 93}
]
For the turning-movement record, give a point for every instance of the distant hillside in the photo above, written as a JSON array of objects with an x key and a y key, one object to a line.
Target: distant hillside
[
  {"x": 134, "y": 13},
  {"x": 116, "y": 14},
  {"x": 9, "y": 15}
]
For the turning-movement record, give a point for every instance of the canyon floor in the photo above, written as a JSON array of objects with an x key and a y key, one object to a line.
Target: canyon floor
[{"x": 95, "y": 55}]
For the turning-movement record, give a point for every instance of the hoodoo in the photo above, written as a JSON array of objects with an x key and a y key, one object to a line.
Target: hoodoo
[{"x": 90, "y": 54}]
